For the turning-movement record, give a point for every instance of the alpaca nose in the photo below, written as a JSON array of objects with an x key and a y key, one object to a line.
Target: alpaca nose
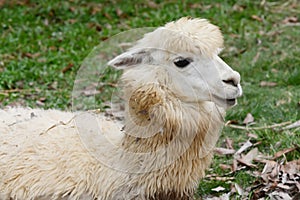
[{"x": 233, "y": 80}]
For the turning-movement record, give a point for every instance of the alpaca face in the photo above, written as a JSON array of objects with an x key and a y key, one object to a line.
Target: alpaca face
[
  {"x": 208, "y": 78},
  {"x": 192, "y": 78},
  {"x": 183, "y": 56}
]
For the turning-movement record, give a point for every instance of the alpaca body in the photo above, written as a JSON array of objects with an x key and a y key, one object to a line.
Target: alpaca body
[
  {"x": 49, "y": 161},
  {"x": 176, "y": 90}
]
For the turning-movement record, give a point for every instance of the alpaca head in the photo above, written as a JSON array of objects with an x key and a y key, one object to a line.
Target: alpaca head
[{"x": 183, "y": 55}]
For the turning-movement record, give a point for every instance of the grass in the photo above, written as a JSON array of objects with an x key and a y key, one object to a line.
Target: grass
[{"x": 43, "y": 44}]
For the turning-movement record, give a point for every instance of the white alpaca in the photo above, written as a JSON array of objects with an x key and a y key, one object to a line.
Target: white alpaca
[{"x": 176, "y": 88}]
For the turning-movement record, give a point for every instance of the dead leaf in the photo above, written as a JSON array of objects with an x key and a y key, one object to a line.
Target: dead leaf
[
  {"x": 119, "y": 12},
  {"x": 245, "y": 146},
  {"x": 257, "y": 18},
  {"x": 46, "y": 22},
  {"x": 152, "y": 4},
  {"x": 107, "y": 16},
  {"x": 292, "y": 167},
  {"x": 239, "y": 190},
  {"x": 223, "y": 151},
  {"x": 249, "y": 119},
  {"x": 224, "y": 167},
  {"x": 72, "y": 9},
  {"x": 249, "y": 157},
  {"x": 279, "y": 195},
  {"x": 67, "y": 68},
  {"x": 31, "y": 55},
  {"x": 252, "y": 135},
  {"x": 284, "y": 151},
  {"x": 95, "y": 10},
  {"x": 229, "y": 143},
  {"x": 218, "y": 189},
  {"x": 72, "y": 21},
  {"x": 267, "y": 84},
  {"x": 97, "y": 26},
  {"x": 289, "y": 20},
  {"x": 293, "y": 125}
]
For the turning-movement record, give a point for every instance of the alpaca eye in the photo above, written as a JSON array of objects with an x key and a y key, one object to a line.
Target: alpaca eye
[{"x": 182, "y": 62}]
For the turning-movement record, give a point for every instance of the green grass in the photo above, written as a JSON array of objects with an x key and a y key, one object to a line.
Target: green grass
[{"x": 43, "y": 44}]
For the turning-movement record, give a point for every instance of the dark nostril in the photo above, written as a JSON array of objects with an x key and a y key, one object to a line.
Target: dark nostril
[{"x": 230, "y": 82}]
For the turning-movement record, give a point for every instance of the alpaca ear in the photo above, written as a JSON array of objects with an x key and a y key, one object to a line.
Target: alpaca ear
[{"x": 130, "y": 58}]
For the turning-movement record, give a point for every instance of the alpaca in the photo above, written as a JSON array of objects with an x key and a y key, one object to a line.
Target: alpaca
[{"x": 176, "y": 90}]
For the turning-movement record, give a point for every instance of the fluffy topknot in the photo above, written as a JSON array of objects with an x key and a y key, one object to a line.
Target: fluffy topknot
[{"x": 193, "y": 35}]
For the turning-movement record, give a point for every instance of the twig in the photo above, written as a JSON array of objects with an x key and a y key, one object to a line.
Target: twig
[
  {"x": 293, "y": 125},
  {"x": 257, "y": 128},
  {"x": 58, "y": 124},
  {"x": 6, "y": 92}
]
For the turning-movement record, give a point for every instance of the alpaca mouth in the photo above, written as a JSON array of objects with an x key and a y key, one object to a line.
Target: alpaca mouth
[{"x": 222, "y": 101}]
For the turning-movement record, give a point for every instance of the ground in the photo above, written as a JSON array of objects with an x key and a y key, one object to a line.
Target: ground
[{"x": 43, "y": 44}]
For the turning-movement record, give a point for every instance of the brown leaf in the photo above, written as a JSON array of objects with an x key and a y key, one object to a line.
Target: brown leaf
[
  {"x": 52, "y": 48},
  {"x": 280, "y": 195},
  {"x": 224, "y": 167},
  {"x": 152, "y": 4},
  {"x": 72, "y": 9},
  {"x": 97, "y": 26},
  {"x": 107, "y": 16},
  {"x": 249, "y": 119},
  {"x": 67, "y": 68},
  {"x": 252, "y": 135},
  {"x": 291, "y": 167},
  {"x": 119, "y": 12},
  {"x": 267, "y": 84},
  {"x": 257, "y": 18},
  {"x": 284, "y": 151},
  {"x": 229, "y": 143},
  {"x": 30, "y": 55},
  {"x": 95, "y": 10},
  {"x": 72, "y": 21},
  {"x": 249, "y": 157},
  {"x": 245, "y": 146},
  {"x": 234, "y": 165},
  {"x": 289, "y": 20},
  {"x": 223, "y": 151}
]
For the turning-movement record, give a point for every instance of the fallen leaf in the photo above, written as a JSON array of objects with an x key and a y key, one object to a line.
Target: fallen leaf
[
  {"x": 152, "y": 4},
  {"x": 249, "y": 119},
  {"x": 291, "y": 167},
  {"x": 229, "y": 143},
  {"x": 279, "y": 195},
  {"x": 72, "y": 21},
  {"x": 245, "y": 146},
  {"x": 67, "y": 68},
  {"x": 95, "y": 10},
  {"x": 252, "y": 135},
  {"x": 224, "y": 167},
  {"x": 284, "y": 151},
  {"x": 257, "y": 18},
  {"x": 249, "y": 157},
  {"x": 267, "y": 84},
  {"x": 218, "y": 189},
  {"x": 107, "y": 16},
  {"x": 31, "y": 55},
  {"x": 239, "y": 190},
  {"x": 119, "y": 12},
  {"x": 223, "y": 151},
  {"x": 97, "y": 26},
  {"x": 293, "y": 125},
  {"x": 290, "y": 20}
]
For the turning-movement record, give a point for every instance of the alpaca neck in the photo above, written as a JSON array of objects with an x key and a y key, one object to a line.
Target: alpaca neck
[{"x": 184, "y": 124}]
